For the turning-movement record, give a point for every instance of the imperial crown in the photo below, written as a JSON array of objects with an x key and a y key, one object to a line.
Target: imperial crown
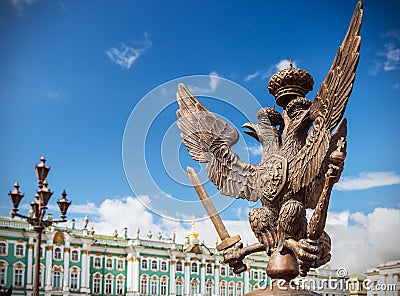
[{"x": 289, "y": 84}]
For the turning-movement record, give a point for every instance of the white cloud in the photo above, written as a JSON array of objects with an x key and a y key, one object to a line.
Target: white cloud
[
  {"x": 255, "y": 150},
  {"x": 52, "y": 94},
  {"x": 367, "y": 180},
  {"x": 126, "y": 55},
  {"x": 363, "y": 241},
  {"x": 252, "y": 76},
  {"x": 210, "y": 88},
  {"x": 390, "y": 55},
  {"x": 284, "y": 64}
]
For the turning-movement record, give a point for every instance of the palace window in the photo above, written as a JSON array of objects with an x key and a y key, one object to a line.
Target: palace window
[
  {"x": 97, "y": 284},
  {"x": 143, "y": 286},
  {"x": 179, "y": 288},
  {"x": 209, "y": 288},
  {"x": 120, "y": 264},
  {"x": 230, "y": 272},
  {"x": 154, "y": 265},
  {"x": 179, "y": 266},
  {"x": 3, "y": 273},
  {"x": 144, "y": 264},
  {"x": 108, "y": 285},
  {"x": 255, "y": 274},
  {"x": 222, "y": 288},
  {"x": 120, "y": 285},
  {"x": 153, "y": 286},
  {"x": 109, "y": 263},
  {"x": 73, "y": 280},
  {"x": 3, "y": 248},
  {"x": 230, "y": 289},
  {"x": 194, "y": 287},
  {"x": 223, "y": 271},
  {"x": 19, "y": 250},
  {"x": 41, "y": 252},
  {"x": 74, "y": 255},
  {"x": 57, "y": 254},
  {"x": 239, "y": 289},
  {"x": 97, "y": 262},
  {"x": 57, "y": 284},
  {"x": 163, "y": 286},
  {"x": 194, "y": 267},
  {"x": 163, "y": 266},
  {"x": 209, "y": 269},
  {"x": 18, "y": 277}
]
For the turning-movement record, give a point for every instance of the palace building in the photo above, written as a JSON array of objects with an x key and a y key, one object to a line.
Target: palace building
[{"x": 81, "y": 262}]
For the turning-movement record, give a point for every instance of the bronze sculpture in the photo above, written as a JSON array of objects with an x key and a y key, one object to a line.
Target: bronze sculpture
[{"x": 298, "y": 168}]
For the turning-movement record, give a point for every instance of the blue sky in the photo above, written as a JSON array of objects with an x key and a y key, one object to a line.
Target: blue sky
[{"x": 73, "y": 72}]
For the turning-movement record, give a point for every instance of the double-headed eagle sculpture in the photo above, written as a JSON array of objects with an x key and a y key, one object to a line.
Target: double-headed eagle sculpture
[{"x": 303, "y": 155}]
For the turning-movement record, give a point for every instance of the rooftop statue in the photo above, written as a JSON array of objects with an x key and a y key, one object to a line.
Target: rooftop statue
[{"x": 304, "y": 149}]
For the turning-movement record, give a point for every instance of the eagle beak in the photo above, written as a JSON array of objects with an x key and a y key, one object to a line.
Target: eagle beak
[{"x": 251, "y": 130}]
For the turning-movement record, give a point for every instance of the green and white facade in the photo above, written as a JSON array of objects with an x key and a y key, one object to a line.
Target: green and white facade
[{"x": 80, "y": 262}]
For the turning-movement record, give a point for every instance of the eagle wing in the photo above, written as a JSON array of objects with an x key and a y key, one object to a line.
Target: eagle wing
[
  {"x": 328, "y": 107},
  {"x": 208, "y": 139}
]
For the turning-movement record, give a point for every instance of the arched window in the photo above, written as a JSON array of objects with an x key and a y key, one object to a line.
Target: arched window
[
  {"x": 178, "y": 265},
  {"x": 120, "y": 264},
  {"x": 97, "y": 283},
  {"x": 19, "y": 250},
  {"x": 209, "y": 268},
  {"x": 239, "y": 289},
  {"x": 255, "y": 275},
  {"x": 230, "y": 289},
  {"x": 223, "y": 271},
  {"x": 74, "y": 255},
  {"x": 108, "y": 285},
  {"x": 209, "y": 288},
  {"x": 18, "y": 275},
  {"x": 194, "y": 267},
  {"x": 120, "y": 285},
  {"x": 231, "y": 272},
  {"x": 194, "y": 287},
  {"x": 144, "y": 264},
  {"x": 163, "y": 266},
  {"x": 57, "y": 284},
  {"x": 222, "y": 288},
  {"x": 143, "y": 285},
  {"x": 109, "y": 263},
  {"x": 73, "y": 279},
  {"x": 163, "y": 286},
  {"x": 3, "y": 248},
  {"x": 3, "y": 273},
  {"x": 97, "y": 262},
  {"x": 57, "y": 253},
  {"x": 154, "y": 286},
  {"x": 179, "y": 287},
  {"x": 154, "y": 265}
]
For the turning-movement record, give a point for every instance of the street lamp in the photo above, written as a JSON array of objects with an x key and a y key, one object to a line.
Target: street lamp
[{"x": 39, "y": 207}]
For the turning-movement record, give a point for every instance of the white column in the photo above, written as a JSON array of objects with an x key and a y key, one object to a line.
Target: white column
[
  {"x": 66, "y": 266},
  {"x": 216, "y": 277},
  {"x": 136, "y": 279},
  {"x": 49, "y": 267},
  {"x": 129, "y": 274},
  {"x": 85, "y": 269},
  {"x": 246, "y": 281},
  {"x": 187, "y": 276},
  {"x": 30, "y": 262},
  {"x": 203, "y": 276},
  {"x": 172, "y": 281}
]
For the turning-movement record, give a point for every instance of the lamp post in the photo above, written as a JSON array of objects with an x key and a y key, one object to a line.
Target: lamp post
[{"x": 39, "y": 207}]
